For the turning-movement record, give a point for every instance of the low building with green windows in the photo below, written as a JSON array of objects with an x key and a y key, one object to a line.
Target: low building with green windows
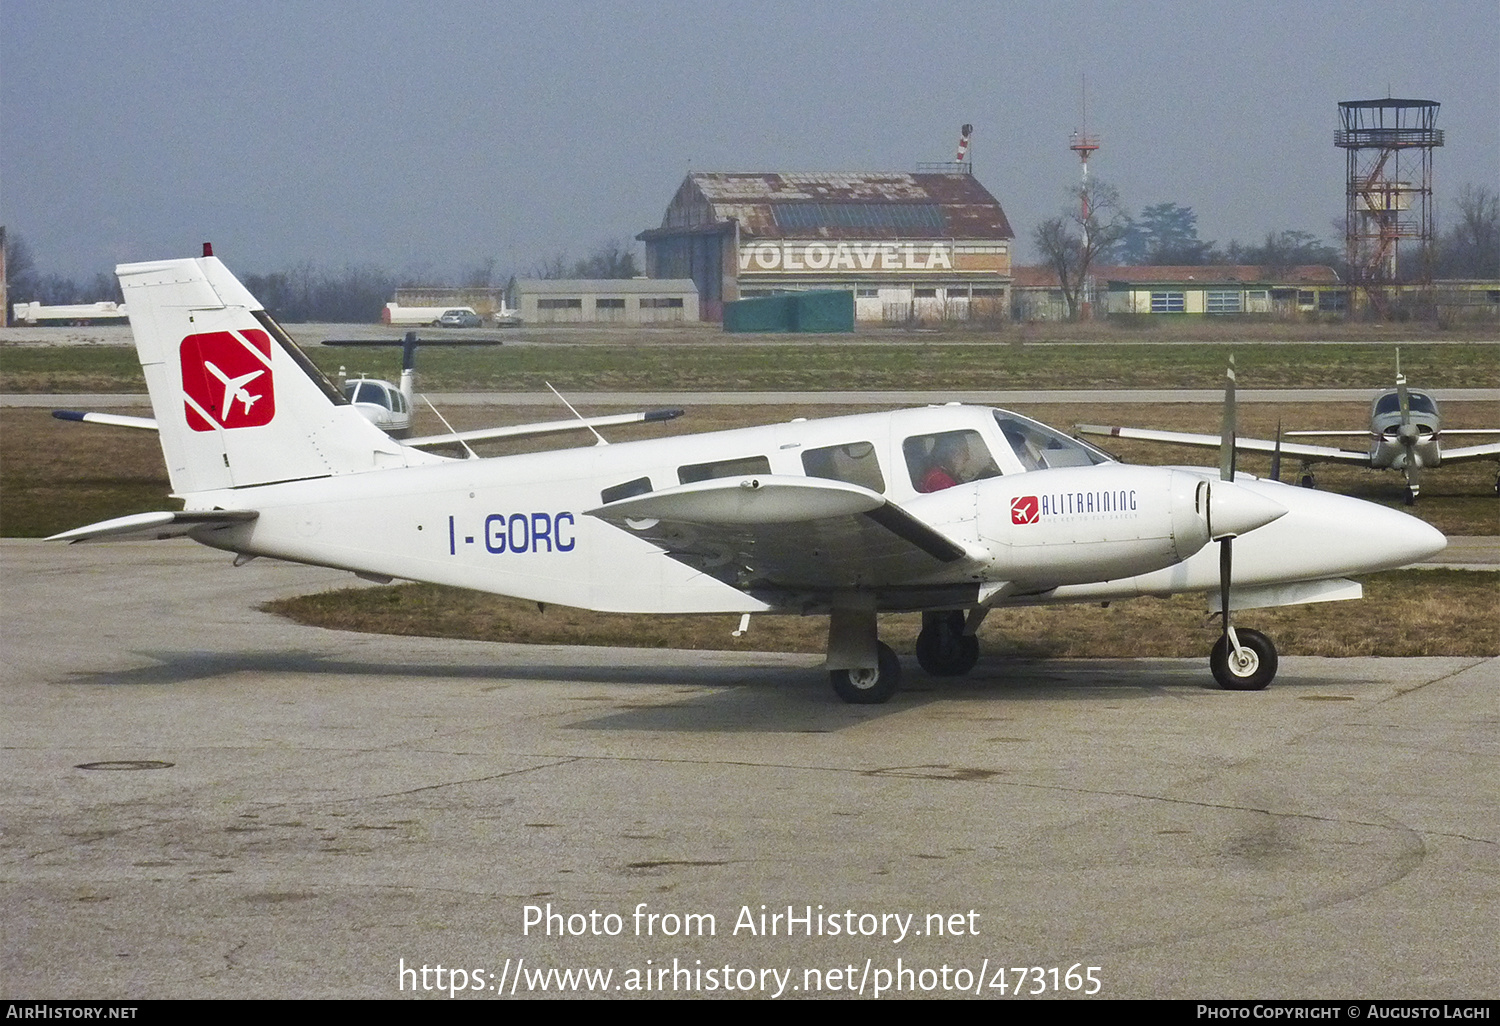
[
  {"x": 1209, "y": 290},
  {"x": 1222, "y": 289}
]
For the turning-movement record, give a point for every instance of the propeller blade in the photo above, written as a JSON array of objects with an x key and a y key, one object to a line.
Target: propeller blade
[
  {"x": 1226, "y": 434},
  {"x": 1276, "y": 455}
]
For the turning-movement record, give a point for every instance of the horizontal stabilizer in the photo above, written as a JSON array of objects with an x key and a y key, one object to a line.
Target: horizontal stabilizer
[
  {"x": 551, "y": 427},
  {"x": 158, "y": 526},
  {"x": 112, "y": 419}
]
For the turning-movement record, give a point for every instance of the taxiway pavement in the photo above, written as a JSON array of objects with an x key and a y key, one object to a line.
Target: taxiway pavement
[{"x": 203, "y": 800}]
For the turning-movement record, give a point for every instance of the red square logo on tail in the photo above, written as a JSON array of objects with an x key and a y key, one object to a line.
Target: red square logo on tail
[
  {"x": 226, "y": 379},
  {"x": 1024, "y": 510}
]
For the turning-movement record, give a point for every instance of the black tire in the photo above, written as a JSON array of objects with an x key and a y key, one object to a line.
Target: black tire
[
  {"x": 1260, "y": 671},
  {"x": 1411, "y": 497},
  {"x": 869, "y": 687},
  {"x": 946, "y": 651},
  {"x": 1307, "y": 481}
]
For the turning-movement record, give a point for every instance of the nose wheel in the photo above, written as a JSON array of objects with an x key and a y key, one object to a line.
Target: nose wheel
[{"x": 1248, "y": 666}]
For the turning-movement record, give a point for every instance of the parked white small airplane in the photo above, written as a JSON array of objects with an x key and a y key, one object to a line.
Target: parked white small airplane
[
  {"x": 1405, "y": 434},
  {"x": 949, "y": 510}
]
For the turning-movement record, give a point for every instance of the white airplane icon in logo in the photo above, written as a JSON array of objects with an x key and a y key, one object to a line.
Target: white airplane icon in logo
[{"x": 234, "y": 388}]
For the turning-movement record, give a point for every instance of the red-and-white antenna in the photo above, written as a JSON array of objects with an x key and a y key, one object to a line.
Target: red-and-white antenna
[
  {"x": 1084, "y": 145},
  {"x": 963, "y": 143}
]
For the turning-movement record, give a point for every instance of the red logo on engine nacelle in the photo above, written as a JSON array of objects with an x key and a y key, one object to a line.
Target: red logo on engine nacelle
[
  {"x": 1024, "y": 509},
  {"x": 226, "y": 379}
]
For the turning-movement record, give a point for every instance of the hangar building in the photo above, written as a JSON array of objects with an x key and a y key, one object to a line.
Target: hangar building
[{"x": 930, "y": 245}]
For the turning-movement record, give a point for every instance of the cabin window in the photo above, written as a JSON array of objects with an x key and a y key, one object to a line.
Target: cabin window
[
  {"x": 853, "y": 463},
  {"x": 724, "y": 468},
  {"x": 614, "y": 493},
  {"x": 946, "y": 459}
]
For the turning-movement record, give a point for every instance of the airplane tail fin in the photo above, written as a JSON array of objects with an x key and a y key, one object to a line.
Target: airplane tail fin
[{"x": 237, "y": 402}]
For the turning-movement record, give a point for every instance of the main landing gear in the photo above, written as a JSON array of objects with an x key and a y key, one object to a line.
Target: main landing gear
[
  {"x": 869, "y": 685},
  {"x": 864, "y": 671},
  {"x": 943, "y": 649},
  {"x": 1243, "y": 660}
]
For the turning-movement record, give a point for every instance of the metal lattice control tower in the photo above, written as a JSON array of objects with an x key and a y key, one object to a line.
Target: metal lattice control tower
[{"x": 1388, "y": 191}]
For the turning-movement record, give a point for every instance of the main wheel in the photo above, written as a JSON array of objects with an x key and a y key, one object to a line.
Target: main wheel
[
  {"x": 1251, "y": 670},
  {"x": 943, "y": 649},
  {"x": 869, "y": 687}
]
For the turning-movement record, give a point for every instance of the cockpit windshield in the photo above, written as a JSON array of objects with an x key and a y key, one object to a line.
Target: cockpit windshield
[
  {"x": 368, "y": 392},
  {"x": 1417, "y": 402},
  {"x": 1039, "y": 447}
]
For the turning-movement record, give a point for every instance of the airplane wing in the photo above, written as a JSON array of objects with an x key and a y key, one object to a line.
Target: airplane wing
[
  {"x": 1326, "y": 434},
  {"x": 113, "y": 419},
  {"x": 1305, "y": 453},
  {"x": 157, "y": 526},
  {"x": 786, "y": 532},
  {"x": 1471, "y": 452},
  {"x": 550, "y": 427}
]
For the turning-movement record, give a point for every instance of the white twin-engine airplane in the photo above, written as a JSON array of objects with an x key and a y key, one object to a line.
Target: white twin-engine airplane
[{"x": 949, "y": 510}]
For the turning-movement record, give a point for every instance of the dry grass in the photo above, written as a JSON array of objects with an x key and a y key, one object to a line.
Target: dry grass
[
  {"x": 1409, "y": 613},
  {"x": 582, "y": 362}
]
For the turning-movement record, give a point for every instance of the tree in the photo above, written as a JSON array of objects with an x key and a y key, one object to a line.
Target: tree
[
  {"x": 1471, "y": 248},
  {"x": 1283, "y": 251},
  {"x": 1170, "y": 236},
  {"x": 611, "y": 259},
  {"x": 1074, "y": 240}
]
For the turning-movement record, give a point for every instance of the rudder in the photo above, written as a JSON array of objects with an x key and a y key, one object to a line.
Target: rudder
[{"x": 237, "y": 403}]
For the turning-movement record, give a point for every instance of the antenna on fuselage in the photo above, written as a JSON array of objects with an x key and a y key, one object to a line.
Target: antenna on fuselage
[
  {"x": 472, "y": 454},
  {"x": 577, "y": 414}
]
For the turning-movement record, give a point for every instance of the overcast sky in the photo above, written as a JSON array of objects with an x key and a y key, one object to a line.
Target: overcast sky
[{"x": 426, "y": 137}]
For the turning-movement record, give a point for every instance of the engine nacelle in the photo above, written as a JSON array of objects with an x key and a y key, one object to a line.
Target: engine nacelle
[{"x": 1082, "y": 524}]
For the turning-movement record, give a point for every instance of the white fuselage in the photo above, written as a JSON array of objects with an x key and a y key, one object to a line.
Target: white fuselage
[{"x": 519, "y": 525}]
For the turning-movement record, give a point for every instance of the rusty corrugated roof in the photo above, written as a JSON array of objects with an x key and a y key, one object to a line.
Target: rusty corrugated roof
[{"x": 966, "y": 208}]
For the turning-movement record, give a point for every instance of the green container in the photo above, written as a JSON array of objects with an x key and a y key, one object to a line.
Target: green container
[{"x": 823, "y": 311}]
